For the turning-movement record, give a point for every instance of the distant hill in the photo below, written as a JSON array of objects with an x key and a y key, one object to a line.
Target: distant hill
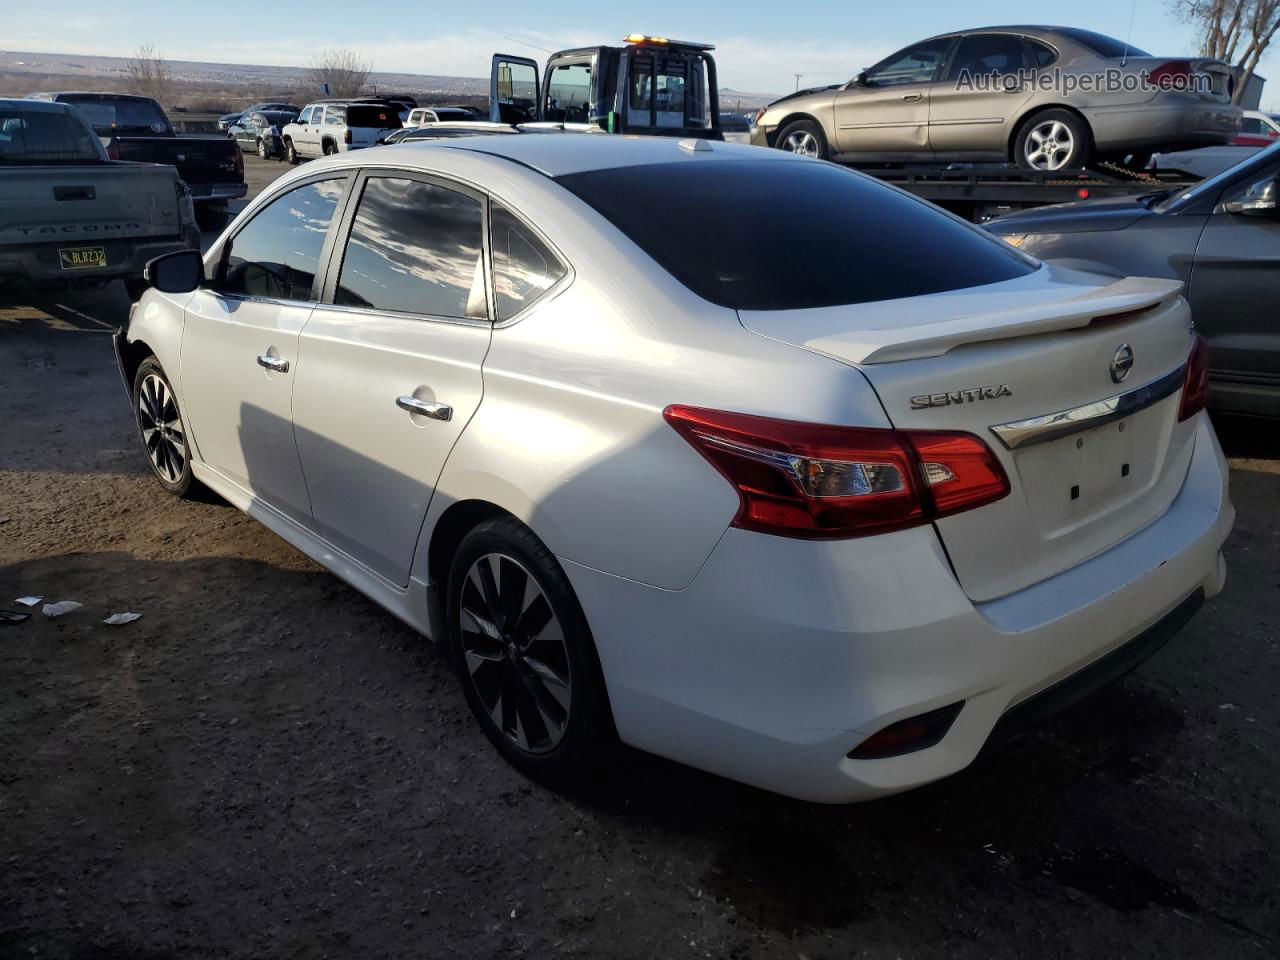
[{"x": 230, "y": 85}]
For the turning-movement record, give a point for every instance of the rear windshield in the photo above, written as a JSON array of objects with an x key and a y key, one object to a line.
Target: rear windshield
[
  {"x": 782, "y": 235},
  {"x": 376, "y": 118},
  {"x": 39, "y": 136},
  {"x": 108, "y": 116},
  {"x": 1101, "y": 44}
]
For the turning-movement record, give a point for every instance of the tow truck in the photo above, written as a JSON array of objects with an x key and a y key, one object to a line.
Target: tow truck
[{"x": 651, "y": 85}]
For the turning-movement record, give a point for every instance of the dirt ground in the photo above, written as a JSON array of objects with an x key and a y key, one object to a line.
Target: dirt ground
[{"x": 267, "y": 765}]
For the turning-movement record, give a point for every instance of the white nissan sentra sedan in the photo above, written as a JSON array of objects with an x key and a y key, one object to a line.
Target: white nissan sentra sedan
[{"x": 744, "y": 458}]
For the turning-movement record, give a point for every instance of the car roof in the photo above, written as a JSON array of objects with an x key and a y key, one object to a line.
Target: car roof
[
  {"x": 35, "y": 106},
  {"x": 95, "y": 93},
  {"x": 558, "y": 154}
]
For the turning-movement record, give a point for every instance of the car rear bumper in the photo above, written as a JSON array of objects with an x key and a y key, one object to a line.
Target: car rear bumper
[
  {"x": 783, "y": 655},
  {"x": 1181, "y": 124},
  {"x": 40, "y": 263},
  {"x": 217, "y": 191}
]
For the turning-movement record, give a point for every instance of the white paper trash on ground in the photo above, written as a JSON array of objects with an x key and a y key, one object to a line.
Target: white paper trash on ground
[
  {"x": 119, "y": 619},
  {"x": 59, "y": 608},
  {"x": 28, "y": 601}
]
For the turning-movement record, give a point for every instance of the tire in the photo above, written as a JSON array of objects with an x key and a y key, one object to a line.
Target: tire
[
  {"x": 329, "y": 148},
  {"x": 290, "y": 154},
  {"x": 155, "y": 411},
  {"x": 211, "y": 216},
  {"x": 803, "y": 137},
  {"x": 1052, "y": 140},
  {"x": 262, "y": 149},
  {"x": 135, "y": 287},
  {"x": 546, "y": 689}
]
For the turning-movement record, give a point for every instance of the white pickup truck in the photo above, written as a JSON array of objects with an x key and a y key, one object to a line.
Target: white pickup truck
[{"x": 69, "y": 215}]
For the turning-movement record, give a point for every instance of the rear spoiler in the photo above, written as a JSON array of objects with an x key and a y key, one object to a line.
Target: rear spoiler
[{"x": 1131, "y": 296}]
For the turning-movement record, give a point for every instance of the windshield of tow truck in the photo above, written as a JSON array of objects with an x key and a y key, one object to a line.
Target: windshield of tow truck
[{"x": 667, "y": 90}]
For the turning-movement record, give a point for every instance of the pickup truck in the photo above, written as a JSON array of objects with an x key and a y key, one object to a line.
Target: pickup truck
[
  {"x": 70, "y": 215},
  {"x": 135, "y": 128}
]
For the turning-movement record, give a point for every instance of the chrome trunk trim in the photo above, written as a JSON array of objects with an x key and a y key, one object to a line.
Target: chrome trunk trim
[{"x": 1051, "y": 426}]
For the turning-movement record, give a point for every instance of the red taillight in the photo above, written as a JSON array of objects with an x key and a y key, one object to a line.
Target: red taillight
[
  {"x": 1174, "y": 75},
  {"x": 824, "y": 483},
  {"x": 1195, "y": 388},
  {"x": 346, "y": 137},
  {"x": 113, "y": 149}
]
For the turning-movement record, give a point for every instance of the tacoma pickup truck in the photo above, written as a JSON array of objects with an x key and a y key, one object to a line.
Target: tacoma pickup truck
[
  {"x": 70, "y": 215},
  {"x": 135, "y": 128}
]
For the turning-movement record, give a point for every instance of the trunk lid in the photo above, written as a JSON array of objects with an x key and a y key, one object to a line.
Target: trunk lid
[
  {"x": 87, "y": 204},
  {"x": 1218, "y": 72},
  {"x": 1006, "y": 353}
]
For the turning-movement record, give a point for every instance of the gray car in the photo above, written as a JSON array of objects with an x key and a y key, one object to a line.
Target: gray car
[
  {"x": 1221, "y": 238},
  {"x": 1048, "y": 98}
]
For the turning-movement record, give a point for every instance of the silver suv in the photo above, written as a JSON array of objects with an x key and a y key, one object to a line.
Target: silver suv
[{"x": 336, "y": 126}]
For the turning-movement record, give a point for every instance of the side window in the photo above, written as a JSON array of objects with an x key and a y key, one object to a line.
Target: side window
[
  {"x": 569, "y": 93},
  {"x": 987, "y": 54},
  {"x": 1252, "y": 125},
  {"x": 524, "y": 268},
  {"x": 334, "y": 116},
  {"x": 1042, "y": 53},
  {"x": 276, "y": 253},
  {"x": 918, "y": 64},
  {"x": 416, "y": 248},
  {"x": 304, "y": 117}
]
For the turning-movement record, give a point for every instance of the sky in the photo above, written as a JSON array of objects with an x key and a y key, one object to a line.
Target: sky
[{"x": 760, "y": 46}]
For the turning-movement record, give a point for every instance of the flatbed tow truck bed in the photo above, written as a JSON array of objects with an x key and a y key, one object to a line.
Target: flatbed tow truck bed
[{"x": 982, "y": 191}]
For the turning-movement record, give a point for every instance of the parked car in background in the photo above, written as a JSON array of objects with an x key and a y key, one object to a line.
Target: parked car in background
[
  {"x": 924, "y": 102},
  {"x": 1257, "y": 129},
  {"x": 259, "y": 132},
  {"x": 71, "y": 216},
  {"x": 736, "y": 127},
  {"x": 486, "y": 381},
  {"x": 420, "y": 115},
  {"x": 226, "y": 121},
  {"x": 135, "y": 128},
  {"x": 448, "y": 130},
  {"x": 1221, "y": 238},
  {"x": 327, "y": 127}
]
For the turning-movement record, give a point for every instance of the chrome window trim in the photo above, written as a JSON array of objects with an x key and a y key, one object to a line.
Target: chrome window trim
[{"x": 1052, "y": 426}]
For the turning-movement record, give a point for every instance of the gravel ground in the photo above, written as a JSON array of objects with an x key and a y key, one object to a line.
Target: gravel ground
[{"x": 267, "y": 765}]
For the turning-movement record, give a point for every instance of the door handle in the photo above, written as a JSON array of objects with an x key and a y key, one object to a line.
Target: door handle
[
  {"x": 428, "y": 408},
  {"x": 273, "y": 363},
  {"x": 912, "y": 97}
]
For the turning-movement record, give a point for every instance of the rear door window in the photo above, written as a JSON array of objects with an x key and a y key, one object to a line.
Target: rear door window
[
  {"x": 987, "y": 54},
  {"x": 792, "y": 234},
  {"x": 524, "y": 267},
  {"x": 276, "y": 254},
  {"x": 415, "y": 247}
]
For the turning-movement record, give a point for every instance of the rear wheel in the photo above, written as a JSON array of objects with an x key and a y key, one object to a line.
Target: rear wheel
[
  {"x": 161, "y": 429},
  {"x": 803, "y": 137},
  {"x": 1052, "y": 140},
  {"x": 522, "y": 649},
  {"x": 330, "y": 148}
]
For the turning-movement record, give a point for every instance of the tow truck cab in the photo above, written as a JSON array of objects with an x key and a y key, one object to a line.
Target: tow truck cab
[{"x": 650, "y": 86}]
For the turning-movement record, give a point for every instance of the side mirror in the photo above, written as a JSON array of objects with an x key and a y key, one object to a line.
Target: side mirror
[
  {"x": 180, "y": 272},
  {"x": 1260, "y": 200}
]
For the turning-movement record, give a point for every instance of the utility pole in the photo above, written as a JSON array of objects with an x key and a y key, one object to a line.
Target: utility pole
[{"x": 797, "y": 76}]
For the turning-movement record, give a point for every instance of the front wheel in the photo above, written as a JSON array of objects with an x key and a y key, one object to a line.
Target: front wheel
[
  {"x": 520, "y": 644},
  {"x": 803, "y": 137},
  {"x": 1052, "y": 140},
  {"x": 161, "y": 429},
  {"x": 262, "y": 149},
  {"x": 290, "y": 153}
]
